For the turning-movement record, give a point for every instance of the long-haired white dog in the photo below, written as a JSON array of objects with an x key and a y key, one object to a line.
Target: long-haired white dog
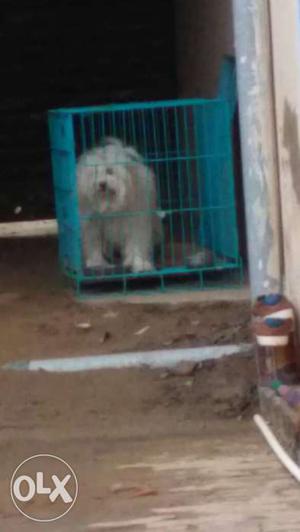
[{"x": 118, "y": 191}]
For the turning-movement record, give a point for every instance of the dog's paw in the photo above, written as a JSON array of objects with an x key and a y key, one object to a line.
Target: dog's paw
[
  {"x": 138, "y": 264},
  {"x": 96, "y": 261}
]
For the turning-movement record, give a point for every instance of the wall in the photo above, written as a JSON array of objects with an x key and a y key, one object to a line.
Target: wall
[
  {"x": 66, "y": 53},
  {"x": 285, "y": 30},
  {"x": 204, "y": 31},
  {"x": 204, "y": 35}
]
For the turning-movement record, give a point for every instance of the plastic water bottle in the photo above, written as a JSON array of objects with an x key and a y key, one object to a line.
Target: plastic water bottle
[{"x": 275, "y": 354}]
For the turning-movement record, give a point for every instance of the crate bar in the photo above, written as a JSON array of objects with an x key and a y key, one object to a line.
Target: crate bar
[
  {"x": 139, "y": 105},
  {"x": 166, "y": 211},
  {"x": 166, "y": 136}
]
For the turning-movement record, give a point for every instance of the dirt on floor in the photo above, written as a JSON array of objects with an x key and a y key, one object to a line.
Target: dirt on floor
[
  {"x": 39, "y": 316},
  {"x": 106, "y": 399},
  {"x": 150, "y": 453},
  {"x": 153, "y": 450}
]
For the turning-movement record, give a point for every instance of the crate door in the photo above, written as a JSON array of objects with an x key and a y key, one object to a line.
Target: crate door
[{"x": 218, "y": 227}]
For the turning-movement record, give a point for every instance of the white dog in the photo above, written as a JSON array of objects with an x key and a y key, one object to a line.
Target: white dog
[{"x": 118, "y": 191}]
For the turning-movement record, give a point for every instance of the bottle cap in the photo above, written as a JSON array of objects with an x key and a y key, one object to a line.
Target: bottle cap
[{"x": 272, "y": 299}]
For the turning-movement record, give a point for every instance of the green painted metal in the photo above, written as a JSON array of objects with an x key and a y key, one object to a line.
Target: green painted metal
[{"x": 188, "y": 145}]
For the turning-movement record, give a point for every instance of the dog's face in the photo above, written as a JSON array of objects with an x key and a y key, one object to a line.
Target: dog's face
[
  {"x": 107, "y": 176},
  {"x": 110, "y": 187}
]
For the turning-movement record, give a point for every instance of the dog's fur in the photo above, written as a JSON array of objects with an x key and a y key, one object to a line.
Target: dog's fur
[{"x": 116, "y": 187}]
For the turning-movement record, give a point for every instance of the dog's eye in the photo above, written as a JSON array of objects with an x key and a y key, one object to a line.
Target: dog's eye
[{"x": 109, "y": 171}]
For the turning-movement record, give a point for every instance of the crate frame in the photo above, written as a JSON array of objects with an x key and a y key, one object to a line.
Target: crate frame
[{"x": 64, "y": 160}]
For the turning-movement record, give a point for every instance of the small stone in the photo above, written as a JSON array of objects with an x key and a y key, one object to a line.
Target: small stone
[
  {"x": 18, "y": 209},
  {"x": 184, "y": 369},
  {"x": 168, "y": 343},
  {"x": 142, "y": 331},
  {"x": 110, "y": 315},
  {"x": 189, "y": 383},
  {"x": 84, "y": 326},
  {"x": 106, "y": 336},
  {"x": 164, "y": 375}
]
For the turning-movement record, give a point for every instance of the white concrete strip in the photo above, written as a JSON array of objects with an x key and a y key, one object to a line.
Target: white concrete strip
[
  {"x": 154, "y": 359},
  {"x": 28, "y": 229}
]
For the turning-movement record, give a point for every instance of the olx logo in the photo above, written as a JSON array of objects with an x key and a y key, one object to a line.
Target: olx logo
[{"x": 44, "y": 488}]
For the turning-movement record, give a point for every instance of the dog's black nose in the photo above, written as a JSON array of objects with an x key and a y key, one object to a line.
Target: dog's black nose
[{"x": 102, "y": 188}]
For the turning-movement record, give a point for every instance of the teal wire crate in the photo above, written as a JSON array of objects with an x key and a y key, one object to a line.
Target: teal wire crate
[{"x": 177, "y": 226}]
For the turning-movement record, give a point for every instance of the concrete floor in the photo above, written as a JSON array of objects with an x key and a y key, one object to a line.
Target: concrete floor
[
  {"x": 222, "y": 481},
  {"x": 150, "y": 454},
  {"x": 241, "y": 294},
  {"x": 202, "y": 471}
]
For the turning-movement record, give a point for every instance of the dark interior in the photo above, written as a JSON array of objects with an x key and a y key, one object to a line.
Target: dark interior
[
  {"x": 71, "y": 53},
  {"x": 61, "y": 53}
]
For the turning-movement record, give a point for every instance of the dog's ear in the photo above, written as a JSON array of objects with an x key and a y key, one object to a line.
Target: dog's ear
[
  {"x": 140, "y": 185},
  {"x": 133, "y": 154},
  {"x": 132, "y": 174}
]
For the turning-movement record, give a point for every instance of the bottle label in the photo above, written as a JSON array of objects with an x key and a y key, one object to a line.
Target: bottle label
[{"x": 272, "y": 341}]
